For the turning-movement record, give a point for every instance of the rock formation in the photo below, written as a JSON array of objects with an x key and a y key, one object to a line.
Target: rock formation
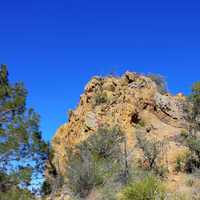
[{"x": 126, "y": 101}]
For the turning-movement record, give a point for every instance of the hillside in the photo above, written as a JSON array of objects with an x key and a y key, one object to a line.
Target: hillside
[{"x": 136, "y": 104}]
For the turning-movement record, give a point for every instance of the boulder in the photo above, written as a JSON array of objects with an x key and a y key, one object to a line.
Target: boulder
[{"x": 91, "y": 120}]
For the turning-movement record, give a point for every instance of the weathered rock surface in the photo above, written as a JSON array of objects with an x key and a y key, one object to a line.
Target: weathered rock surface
[{"x": 130, "y": 99}]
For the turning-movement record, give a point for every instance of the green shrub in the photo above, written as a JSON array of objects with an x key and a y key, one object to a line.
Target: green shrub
[
  {"x": 151, "y": 149},
  {"x": 161, "y": 171},
  {"x": 140, "y": 124},
  {"x": 191, "y": 163},
  {"x": 195, "y": 100},
  {"x": 100, "y": 98},
  {"x": 108, "y": 191},
  {"x": 194, "y": 145},
  {"x": 95, "y": 160},
  {"x": 178, "y": 166},
  {"x": 180, "y": 162},
  {"x": 192, "y": 160},
  {"x": 190, "y": 182},
  {"x": 46, "y": 188},
  {"x": 15, "y": 193},
  {"x": 160, "y": 82},
  {"x": 192, "y": 139},
  {"x": 149, "y": 188},
  {"x": 184, "y": 134}
]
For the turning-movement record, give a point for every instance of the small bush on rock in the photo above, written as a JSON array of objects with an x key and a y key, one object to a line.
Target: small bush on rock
[
  {"x": 191, "y": 161},
  {"x": 150, "y": 188},
  {"x": 151, "y": 149},
  {"x": 95, "y": 160},
  {"x": 160, "y": 82},
  {"x": 100, "y": 98}
]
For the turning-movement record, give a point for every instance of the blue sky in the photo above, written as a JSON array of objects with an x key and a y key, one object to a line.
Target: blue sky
[{"x": 55, "y": 47}]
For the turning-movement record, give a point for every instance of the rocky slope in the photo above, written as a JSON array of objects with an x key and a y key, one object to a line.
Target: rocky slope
[{"x": 127, "y": 101}]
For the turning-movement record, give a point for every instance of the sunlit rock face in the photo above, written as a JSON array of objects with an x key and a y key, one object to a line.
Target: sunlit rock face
[{"x": 125, "y": 101}]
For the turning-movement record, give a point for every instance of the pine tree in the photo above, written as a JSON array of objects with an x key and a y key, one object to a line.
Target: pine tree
[{"x": 22, "y": 150}]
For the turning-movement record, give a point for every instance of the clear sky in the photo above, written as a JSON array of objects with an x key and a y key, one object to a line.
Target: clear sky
[{"x": 56, "y": 46}]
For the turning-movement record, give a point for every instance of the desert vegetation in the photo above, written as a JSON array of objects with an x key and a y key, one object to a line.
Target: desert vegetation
[
  {"x": 96, "y": 161},
  {"x": 160, "y": 82},
  {"x": 120, "y": 156}
]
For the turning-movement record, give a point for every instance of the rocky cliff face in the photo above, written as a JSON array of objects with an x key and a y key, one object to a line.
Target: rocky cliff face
[{"x": 126, "y": 101}]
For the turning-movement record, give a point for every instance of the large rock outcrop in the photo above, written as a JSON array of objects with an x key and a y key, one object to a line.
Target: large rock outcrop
[{"x": 126, "y": 101}]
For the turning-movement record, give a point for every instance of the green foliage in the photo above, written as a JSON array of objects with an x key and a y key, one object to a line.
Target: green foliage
[
  {"x": 190, "y": 182},
  {"x": 191, "y": 138},
  {"x": 150, "y": 188},
  {"x": 15, "y": 194},
  {"x": 193, "y": 107},
  {"x": 161, "y": 171},
  {"x": 160, "y": 82},
  {"x": 107, "y": 193},
  {"x": 195, "y": 95},
  {"x": 180, "y": 162},
  {"x": 178, "y": 166},
  {"x": 100, "y": 98},
  {"x": 95, "y": 160},
  {"x": 151, "y": 149},
  {"x": 50, "y": 181},
  {"x": 46, "y": 188},
  {"x": 194, "y": 145},
  {"x": 191, "y": 161},
  {"x": 22, "y": 150},
  {"x": 140, "y": 124}
]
